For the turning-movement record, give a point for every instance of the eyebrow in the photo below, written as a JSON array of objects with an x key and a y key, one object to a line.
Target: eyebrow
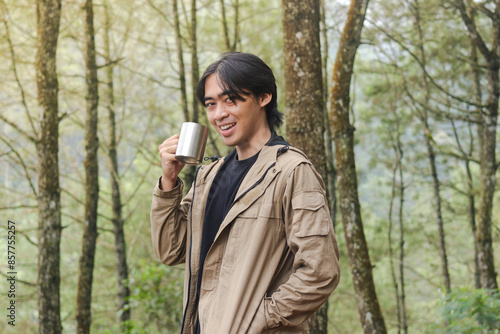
[{"x": 228, "y": 93}]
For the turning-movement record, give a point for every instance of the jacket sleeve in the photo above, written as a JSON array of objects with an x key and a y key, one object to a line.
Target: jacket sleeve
[
  {"x": 169, "y": 213},
  {"x": 311, "y": 239}
]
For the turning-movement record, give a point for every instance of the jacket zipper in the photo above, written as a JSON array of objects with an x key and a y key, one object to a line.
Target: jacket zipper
[
  {"x": 281, "y": 150},
  {"x": 255, "y": 184},
  {"x": 190, "y": 248}
]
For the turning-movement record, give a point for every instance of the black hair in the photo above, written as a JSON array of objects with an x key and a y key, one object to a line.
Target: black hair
[{"x": 244, "y": 74}]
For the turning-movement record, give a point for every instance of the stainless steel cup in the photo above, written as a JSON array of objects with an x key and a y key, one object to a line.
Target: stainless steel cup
[{"x": 192, "y": 141}]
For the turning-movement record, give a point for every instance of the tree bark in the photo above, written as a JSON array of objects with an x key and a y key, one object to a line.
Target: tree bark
[
  {"x": 437, "y": 205},
  {"x": 400, "y": 292},
  {"x": 189, "y": 171},
  {"x": 488, "y": 165},
  {"x": 195, "y": 72},
  {"x": 476, "y": 79},
  {"x": 49, "y": 192},
  {"x": 180, "y": 59},
  {"x": 303, "y": 80},
  {"x": 399, "y": 153},
  {"x": 390, "y": 225},
  {"x": 85, "y": 279},
  {"x": 225, "y": 30},
  {"x": 236, "y": 25},
  {"x": 424, "y": 118},
  {"x": 361, "y": 268},
  {"x": 118, "y": 222},
  {"x": 304, "y": 97},
  {"x": 231, "y": 47},
  {"x": 329, "y": 153}
]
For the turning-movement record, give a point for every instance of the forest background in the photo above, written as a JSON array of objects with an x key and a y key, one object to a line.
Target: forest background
[{"x": 419, "y": 99}]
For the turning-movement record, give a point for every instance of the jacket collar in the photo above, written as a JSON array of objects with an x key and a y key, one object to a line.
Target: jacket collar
[
  {"x": 267, "y": 156},
  {"x": 254, "y": 184}
]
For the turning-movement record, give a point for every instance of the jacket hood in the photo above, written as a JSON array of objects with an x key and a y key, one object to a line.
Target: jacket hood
[{"x": 276, "y": 140}]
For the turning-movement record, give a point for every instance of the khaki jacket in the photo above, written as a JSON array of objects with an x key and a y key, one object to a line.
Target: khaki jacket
[{"x": 274, "y": 261}]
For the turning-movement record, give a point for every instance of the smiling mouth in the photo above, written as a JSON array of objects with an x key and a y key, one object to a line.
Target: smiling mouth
[{"x": 227, "y": 126}]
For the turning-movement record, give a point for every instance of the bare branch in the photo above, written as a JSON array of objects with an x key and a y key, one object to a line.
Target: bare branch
[
  {"x": 111, "y": 62},
  {"x": 416, "y": 58},
  {"x": 482, "y": 8},
  {"x": 15, "y": 207},
  {"x": 474, "y": 34},
  {"x": 21, "y": 161},
  {"x": 162, "y": 14},
  {"x": 14, "y": 66},
  {"x": 18, "y": 129},
  {"x": 150, "y": 78},
  {"x": 469, "y": 117},
  {"x": 18, "y": 280},
  {"x": 460, "y": 156},
  {"x": 24, "y": 233},
  {"x": 139, "y": 185}
]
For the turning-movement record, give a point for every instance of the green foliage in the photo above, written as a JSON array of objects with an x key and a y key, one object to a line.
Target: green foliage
[
  {"x": 470, "y": 311},
  {"x": 155, "y": 300},
  {"x": 156, "y": 294}
]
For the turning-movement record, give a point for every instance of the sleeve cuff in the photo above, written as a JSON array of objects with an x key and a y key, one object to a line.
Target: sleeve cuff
[{"x": 176, "y": 191}]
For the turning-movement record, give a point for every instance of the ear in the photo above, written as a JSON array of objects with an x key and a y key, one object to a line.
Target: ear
[{"x": 264, "y": 99}]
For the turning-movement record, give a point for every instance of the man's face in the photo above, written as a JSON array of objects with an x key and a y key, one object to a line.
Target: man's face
[{"x": 240, "y": 123}]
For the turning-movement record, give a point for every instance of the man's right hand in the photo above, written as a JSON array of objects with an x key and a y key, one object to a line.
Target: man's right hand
[{"x": 169, "y": 165}]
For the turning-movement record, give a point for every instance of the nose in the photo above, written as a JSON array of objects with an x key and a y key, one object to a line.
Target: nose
[{"x": 220, "y": 112}]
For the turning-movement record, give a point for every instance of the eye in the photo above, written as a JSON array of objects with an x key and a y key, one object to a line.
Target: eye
[
  {"x": 209, "y": 105},
  {"x": 230, "y": 100}
]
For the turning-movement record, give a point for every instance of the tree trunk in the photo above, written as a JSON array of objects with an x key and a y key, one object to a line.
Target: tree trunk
[
  {"x": 225, "y": 30},
  {"x": 189, "y": 171},
  {"x": 329, "y": 153},
  {"x": 488, "y": 164},
  {"x": 120, "y": 245},
  {"x": 366, "y": 297},
  {"x": 432, "y": 157},
  {"x": 437, "y": 205},
  {"x": 49, "y": 192},
  {"x": 180, "y": 59},
  {"x": 399, "y": 153},
  {"x": 304, "y": 97},
  {"x": 476, "y": 79},
  {"x": 472, "y": 219},
  {"x": 390, "y": 225},
  {"x": 330, "y": 171},
  {"x": 487, "y": 180},
  {"x": 236, "y": 33},
  {"x": 399, "y": 287},
  {"x": 231, "y": 47},
  {"x": 85, "y": 279},
  {"x": 303, "y": 80},
  {"x": 195, "y": 72}
]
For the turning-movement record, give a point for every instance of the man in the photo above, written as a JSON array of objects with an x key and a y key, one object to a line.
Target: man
[{"x": 254, "y": 230}]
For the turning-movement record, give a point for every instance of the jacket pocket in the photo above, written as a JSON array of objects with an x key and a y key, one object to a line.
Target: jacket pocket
[
  {"x": 310, "y": 217},
  {"x": 259, "y": 321}
]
